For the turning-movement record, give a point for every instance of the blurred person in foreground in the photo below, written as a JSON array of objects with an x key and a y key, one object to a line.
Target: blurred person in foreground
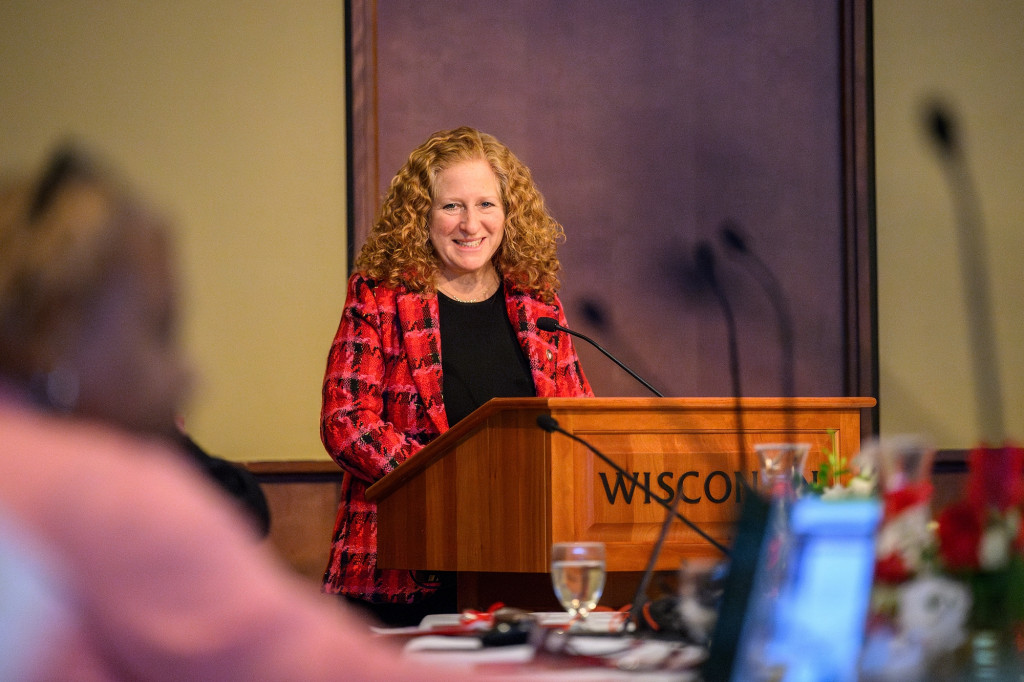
[
  {"x": 134, "y": 565},
  {"x": 440, "y": 316}
]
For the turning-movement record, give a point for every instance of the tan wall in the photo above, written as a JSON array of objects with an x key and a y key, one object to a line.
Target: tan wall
[
  {"x": 972, "y": 53},
  {"x": 231, "y": 115}
]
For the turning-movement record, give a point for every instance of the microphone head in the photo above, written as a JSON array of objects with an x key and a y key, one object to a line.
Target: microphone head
[
  {"x": 547, "y": 422},
  {"x": 732, "y": 237},
  {"x": 548, "y": 324}
]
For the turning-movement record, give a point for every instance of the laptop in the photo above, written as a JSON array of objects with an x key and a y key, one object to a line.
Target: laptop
[{"x": 806, "y": 621}]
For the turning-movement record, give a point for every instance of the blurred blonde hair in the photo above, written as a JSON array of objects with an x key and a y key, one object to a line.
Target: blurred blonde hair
[
  {"x": 60, "y": 239},
  {"x": 398, "y": 251}
]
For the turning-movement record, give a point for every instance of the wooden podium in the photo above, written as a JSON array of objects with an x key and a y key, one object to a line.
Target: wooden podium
[{"x": 490, "y": 496}]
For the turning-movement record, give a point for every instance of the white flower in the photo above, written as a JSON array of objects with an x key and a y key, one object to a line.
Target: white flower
[
  {"x": 834, "y": 492},
  {"x": 906, "y": 534},
  {"x": 933, "y": 610},
  {"x": 994, "y": 548},
  {"x": 862, "y": 486}
]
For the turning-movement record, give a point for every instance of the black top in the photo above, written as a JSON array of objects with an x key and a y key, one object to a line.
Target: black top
[
  {"x": 480, "y": 355},
  {"x": 236, "y": 481}
]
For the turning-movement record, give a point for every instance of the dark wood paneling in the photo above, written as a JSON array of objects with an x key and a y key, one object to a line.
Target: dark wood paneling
[
  {"x": 646, "y": 125},
  {"x": 303, "y": 497}
]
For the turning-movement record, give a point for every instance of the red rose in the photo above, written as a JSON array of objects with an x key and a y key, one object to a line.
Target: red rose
[
  {"x": 960, "y": 527},
  {"x": 906, "y": 497},
  {"x": 891, "y": 569},
  {"x": 996, "y": 477}
]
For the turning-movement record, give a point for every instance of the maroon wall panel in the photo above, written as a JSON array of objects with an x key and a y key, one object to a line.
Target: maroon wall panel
[{"x": 646, "y": 125}]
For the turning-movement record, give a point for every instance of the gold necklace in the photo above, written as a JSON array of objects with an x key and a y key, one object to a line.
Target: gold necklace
[{"x": 487, "y": 295}]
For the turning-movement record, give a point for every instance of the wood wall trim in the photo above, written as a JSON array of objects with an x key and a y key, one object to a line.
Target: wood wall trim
[
  {"x": 326, "y": 467},
  {"x": 861, "y": 314}
]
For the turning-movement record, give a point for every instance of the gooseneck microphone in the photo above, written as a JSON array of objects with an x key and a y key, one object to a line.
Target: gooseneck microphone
[
  {"x": 598, "y": 315},
  {"x": 704, "y": 258},
  {"x": 550, "y": 324},
  {"x": 550, "y": 424},
  {"x": 973, "y": 273},
  {"x": 735, "y": 244}
]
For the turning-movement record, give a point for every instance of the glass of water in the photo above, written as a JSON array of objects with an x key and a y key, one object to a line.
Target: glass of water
[{"x": 577, "y": 574}]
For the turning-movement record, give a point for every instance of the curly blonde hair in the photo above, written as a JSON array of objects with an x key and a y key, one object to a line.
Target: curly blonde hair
[{"x": 398, "y": 250}]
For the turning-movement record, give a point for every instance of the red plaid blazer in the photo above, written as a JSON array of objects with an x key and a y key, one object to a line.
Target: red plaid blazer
[{"x": 382, "y": 403}]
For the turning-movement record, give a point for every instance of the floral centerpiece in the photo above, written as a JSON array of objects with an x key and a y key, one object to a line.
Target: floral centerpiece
[
  {"x": 948, "y": 593},
  {"x": 981, "y": 539}
]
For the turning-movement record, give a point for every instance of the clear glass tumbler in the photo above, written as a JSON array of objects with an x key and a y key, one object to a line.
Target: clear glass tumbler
[{"x": 577, "y": 575}]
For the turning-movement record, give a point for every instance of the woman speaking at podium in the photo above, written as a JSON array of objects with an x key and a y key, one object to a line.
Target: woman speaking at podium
[{"x": 440, "y": 316}]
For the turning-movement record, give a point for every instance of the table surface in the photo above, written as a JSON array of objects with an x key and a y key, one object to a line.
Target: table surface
[{"x": 597, "y": 652}]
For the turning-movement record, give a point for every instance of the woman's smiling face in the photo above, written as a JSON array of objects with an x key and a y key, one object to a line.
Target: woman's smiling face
[{"x": 467, "y": 218}]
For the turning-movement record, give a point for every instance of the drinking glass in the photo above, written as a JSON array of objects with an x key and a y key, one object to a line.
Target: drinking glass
[
  {"x": 904, "y": 464},
  {"x": 577, "y": 574},
  {"x": 903, "y": 460},
  {"x": 781, "y": 464}
]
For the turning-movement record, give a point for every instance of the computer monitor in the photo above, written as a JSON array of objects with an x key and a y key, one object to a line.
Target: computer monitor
[{"x": 806, "y": 621}]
